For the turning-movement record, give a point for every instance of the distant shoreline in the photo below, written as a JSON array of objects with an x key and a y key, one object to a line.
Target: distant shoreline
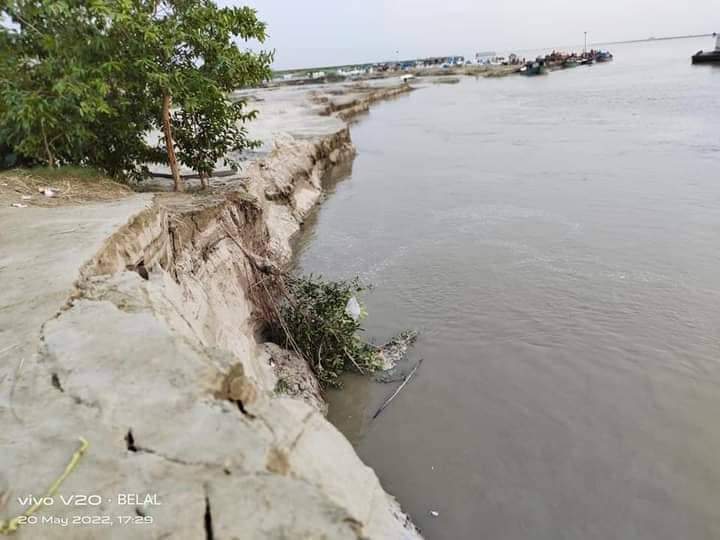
[
  {"x": 667, "y": 38},
  {"x": 595, "y": 44}
]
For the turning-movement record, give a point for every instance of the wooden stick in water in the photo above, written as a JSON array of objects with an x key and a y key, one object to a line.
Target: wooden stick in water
[{"x": 399, "y": 388}]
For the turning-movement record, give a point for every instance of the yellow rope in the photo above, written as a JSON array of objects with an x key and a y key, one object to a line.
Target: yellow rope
[{"x": 10, "y": 526}]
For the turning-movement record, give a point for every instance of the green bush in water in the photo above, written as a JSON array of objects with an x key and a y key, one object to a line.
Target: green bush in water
[{"x": 315, "y": 323}]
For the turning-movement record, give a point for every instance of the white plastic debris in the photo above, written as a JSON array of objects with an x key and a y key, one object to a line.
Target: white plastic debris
[
  {"x": 49, "y": 192},
  {"x": 353, "y": 309},
  {"x": 433, "y": 513},
  {"x": 26, "y": 197},
  {"x": 18, "y": 205}
]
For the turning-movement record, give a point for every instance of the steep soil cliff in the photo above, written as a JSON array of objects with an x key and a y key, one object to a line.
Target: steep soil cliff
[{"x": 155, "y": 359}]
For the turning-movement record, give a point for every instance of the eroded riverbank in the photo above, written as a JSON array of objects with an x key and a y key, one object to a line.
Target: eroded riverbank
[{"x": 146, "y": 346}]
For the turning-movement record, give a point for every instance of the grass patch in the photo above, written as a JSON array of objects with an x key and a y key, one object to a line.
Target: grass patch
[
  {"x": 61, "y": 173},
  {"x": 447, "y": 80},
  {"x": 282, "y": 387},
  {"x": 69, "y": 185}
]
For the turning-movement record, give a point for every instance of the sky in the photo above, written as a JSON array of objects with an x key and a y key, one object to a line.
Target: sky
[{"x": 315, "y": 33}]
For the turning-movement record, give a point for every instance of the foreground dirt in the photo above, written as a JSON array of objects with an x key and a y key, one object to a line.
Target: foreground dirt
[{"x": 23, "y": 188}]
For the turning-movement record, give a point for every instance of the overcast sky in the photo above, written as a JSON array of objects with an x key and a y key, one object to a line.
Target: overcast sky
[{"x": 309, "y": 33}]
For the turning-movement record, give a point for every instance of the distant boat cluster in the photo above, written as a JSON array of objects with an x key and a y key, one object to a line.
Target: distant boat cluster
[
  {"x": 560, "y": 60},
  {"x": 481, "y": 63}
]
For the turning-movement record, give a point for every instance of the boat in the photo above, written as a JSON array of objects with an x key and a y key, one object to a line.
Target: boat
[
  {"x": 571, "y": 62},
  {"x": 709, "y": 57},
  {"x": 603, "y": 56},
  {"x": 534, "y": 68}
]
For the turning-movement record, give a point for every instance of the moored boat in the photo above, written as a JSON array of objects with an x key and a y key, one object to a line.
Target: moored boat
[
  {"x": 534, "y": 68},
  {"x": 708, "y": 57},
  {"x": 603, "y": 56}
]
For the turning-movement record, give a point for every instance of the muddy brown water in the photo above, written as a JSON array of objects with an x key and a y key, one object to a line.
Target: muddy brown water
[{"x": 556, "y": 240}]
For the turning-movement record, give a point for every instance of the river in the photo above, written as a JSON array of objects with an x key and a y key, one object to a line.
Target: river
[{"x": 556, "y": 241}]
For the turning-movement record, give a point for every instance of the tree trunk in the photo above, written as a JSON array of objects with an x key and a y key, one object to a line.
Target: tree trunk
[
  {"x": 170, "y": 144},
  {"x": 48, "y": 153},
  {"x": 204, "y": 180}
]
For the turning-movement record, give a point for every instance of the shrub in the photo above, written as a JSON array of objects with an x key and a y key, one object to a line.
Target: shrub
[{"x": 314, "y": 321}]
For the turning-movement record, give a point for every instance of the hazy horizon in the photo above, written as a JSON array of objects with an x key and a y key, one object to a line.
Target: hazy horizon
[{"x": 324, "y": 33}]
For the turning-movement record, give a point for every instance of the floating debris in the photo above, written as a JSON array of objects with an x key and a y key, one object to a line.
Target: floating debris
[
  {"x": 353, "y": 309},
  {"x": 434, "y": 513},
  {"x": 399, "y": 388},
  {"x": 396, "y": 349},
  {"x": 19, "y": 205}
]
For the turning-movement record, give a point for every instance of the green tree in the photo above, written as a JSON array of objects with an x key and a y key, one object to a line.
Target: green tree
[
  {"x": 187, "y": 53},
  {"x": 212, "y": 132},
  {"x": 53, "y": 78},
  {"x": 85, "y": 82}
]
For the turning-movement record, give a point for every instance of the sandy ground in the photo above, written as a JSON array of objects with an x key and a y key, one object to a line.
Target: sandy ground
[
  {"x": 42, "y": 251},
  {"x": 45, "y": 240}
]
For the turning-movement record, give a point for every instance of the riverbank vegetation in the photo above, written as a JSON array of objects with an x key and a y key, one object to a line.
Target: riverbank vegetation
[
  {"x": 86, "y": 83},
  {"x": 321, "y": 320}
]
